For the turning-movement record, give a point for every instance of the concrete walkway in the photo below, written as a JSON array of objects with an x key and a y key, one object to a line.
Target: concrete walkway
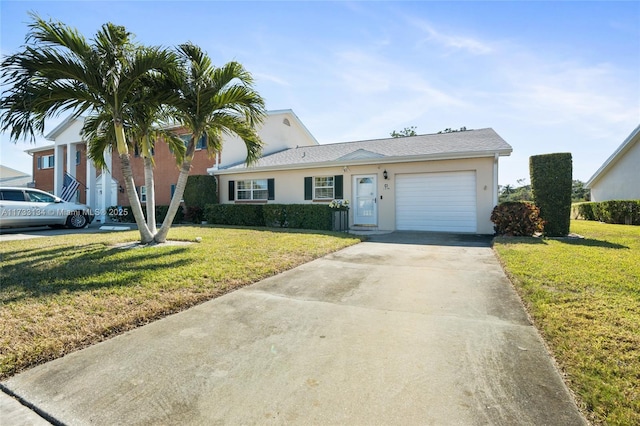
[{"x": 406, "y": 329}]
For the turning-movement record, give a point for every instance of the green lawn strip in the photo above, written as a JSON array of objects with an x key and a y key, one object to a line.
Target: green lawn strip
[
  {"x": 584, "y": 296},
  {"x": 63, "y": 293}
]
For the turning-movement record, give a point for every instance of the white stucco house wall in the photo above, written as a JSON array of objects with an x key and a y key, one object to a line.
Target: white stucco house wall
[
  {"x": 619, "y": 177},
  {"x": 438, "y": 182}
]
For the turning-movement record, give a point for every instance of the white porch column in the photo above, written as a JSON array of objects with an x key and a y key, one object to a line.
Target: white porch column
[
  {"x": 71, "y": 159},
  {"x": 58, "y": 169},
  {"x": 92, "y": 200},
  {"x": 495, "y": 179},
  {"x": 106, "y": 196}
]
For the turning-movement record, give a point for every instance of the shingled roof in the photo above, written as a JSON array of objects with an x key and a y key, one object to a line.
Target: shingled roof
[{"x": 440, "y": 146}]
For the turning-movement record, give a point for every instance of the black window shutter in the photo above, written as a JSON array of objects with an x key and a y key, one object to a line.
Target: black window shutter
[
  {"x": 337, "y": 187},
  {"x": 308, "y": 188},
  {"x": 39, "y": 162},
  {"x": 232, "y": 190},
  {"x": 271, "y": 189}
]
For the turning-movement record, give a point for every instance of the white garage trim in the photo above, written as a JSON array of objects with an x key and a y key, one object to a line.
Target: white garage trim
[{"x": 441, "y": 202}]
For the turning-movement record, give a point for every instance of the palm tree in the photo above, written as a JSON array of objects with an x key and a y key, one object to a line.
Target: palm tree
[
  {"x": 60, "y": 71},
  {"x": 209, "y": 102},
  {"x": 142, "y": 119}
]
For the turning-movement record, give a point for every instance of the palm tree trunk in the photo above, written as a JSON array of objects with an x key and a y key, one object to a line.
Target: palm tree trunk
[
  {"x": 125, "y": 160},
  {"x": 151, "y": 195},
  {"x": 161, "y": 235},
  {"x": 136, "y": 208}
]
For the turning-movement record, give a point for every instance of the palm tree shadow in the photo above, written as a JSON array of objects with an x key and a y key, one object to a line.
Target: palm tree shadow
[{"x": 95, "y": 268}]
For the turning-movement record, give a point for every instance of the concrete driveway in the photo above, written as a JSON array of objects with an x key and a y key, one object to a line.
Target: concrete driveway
[{"x": 407, "y": 329}]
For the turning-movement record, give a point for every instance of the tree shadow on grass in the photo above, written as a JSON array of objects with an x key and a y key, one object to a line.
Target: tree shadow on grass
[
  {"x": 53, "y": 271},
  {"x": 587, "y": 242}
]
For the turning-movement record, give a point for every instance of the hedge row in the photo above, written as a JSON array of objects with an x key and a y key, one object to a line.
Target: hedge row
[
  {"x": 125, "y": 215},
  {"x": 625, "y": 212},
  {"x": 302, "y": 216}
]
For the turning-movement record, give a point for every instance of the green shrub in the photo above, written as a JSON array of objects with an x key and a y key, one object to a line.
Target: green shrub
[
  {"x": 302, "y": 216},
  {"x": 551, "y": 185},
  {"x": 517, "y": 219},
  {"x": 199, "y": 191},
  {"x": 583, "y": 211},
  {"x": 234, "y": 214},
  {"x": 626, "y": 212}
]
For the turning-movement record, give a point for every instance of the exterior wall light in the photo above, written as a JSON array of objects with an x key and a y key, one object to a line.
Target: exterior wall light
[{"x": 385, "y": 175}]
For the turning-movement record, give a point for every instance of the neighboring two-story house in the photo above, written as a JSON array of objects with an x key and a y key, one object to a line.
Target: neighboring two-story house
[{"x": 100, "y": 189}]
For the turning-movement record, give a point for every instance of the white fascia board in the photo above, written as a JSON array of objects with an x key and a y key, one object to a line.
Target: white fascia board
[
  {"x": 366, "y": 161},
  {"x": 31, "y": 151},
  {"x": 624, "y": 147}
]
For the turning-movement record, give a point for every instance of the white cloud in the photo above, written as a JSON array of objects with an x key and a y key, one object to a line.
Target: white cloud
[
  {"x": 454, "y": 42},
  {"x": 271, "y": 78}
]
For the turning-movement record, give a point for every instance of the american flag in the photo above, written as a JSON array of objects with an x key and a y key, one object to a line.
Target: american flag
[{"x": 69, "y": 187}]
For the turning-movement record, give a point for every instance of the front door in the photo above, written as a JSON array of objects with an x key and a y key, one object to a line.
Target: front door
[{"x": 365, "y": 210}]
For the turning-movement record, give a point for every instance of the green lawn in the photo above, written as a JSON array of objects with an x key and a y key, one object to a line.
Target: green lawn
[
  {"x": 59, "y": 294},
  {"x": 584, "y": 296}
]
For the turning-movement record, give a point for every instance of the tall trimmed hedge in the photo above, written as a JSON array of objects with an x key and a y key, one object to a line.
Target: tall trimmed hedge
[
  {"x": 199, "y": 191},
  {"x": 302, "y": 216},
  {"x": 551, "y": 185}
]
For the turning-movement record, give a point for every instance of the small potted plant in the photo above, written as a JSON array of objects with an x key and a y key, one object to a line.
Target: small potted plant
[{"x": 340, "y": 214}]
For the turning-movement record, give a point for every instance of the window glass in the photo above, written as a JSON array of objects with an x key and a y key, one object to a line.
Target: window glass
[
  {"x": 12, "y": 195},
  {"x": 201, "y": 144},
  {"x": 254, "y": 189},
  {"x": 323, "y": 187},
  {"x": 46, "y": 162},
  {"x": 39, "y": 197},
  {"x": 143, "y": 194}
]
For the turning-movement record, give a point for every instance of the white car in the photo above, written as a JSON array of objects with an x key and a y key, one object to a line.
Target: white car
[{"x": 23, "y": 207}]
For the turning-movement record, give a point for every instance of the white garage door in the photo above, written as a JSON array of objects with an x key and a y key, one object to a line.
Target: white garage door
[{"x": 442, "y": 202}]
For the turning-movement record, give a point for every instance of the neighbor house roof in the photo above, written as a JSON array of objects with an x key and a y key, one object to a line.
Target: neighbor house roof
[
  {"x": 13, "y": 177},
  {"x": 631, "y": 140},
  {"x": 440, "y": 146}
]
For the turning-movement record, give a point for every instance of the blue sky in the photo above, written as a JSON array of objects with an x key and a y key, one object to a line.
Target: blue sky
[{"x": 547, "y": 76}]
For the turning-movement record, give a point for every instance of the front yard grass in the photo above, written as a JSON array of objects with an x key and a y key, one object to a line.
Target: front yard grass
[
  {"x": 59, "y": 294},
  {"x": 584, "y": 296}
]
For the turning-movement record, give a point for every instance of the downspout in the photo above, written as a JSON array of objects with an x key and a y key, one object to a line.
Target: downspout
[{"x": 495, "y": 179}]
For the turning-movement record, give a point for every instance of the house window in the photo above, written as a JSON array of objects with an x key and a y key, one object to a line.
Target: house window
[
  {"x": 252, "y": 189},
  {"x": 46, "y": 162},
  {"x": 173, "y": 191},
  {"x": 77, "y": 158},
  {"x": 143, "y": 194},
  {"x": 323, "y": 188},
  {"x": 202, "y": 142}
]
